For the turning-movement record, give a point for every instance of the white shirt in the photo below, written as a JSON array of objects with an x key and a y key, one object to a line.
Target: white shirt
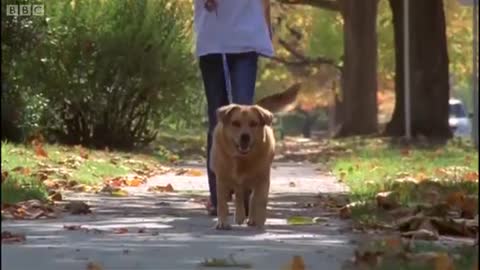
[{"x": 236, "y": 26}]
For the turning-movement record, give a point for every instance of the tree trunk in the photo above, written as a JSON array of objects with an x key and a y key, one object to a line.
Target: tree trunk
[
  {"x": 429, "y": 70},
  {"x": 359, "y": 76}
]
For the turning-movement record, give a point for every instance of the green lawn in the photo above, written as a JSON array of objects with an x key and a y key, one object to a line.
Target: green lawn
[
  {"x": 25, "y": 170},
  {"x": 377, "y": 166}
]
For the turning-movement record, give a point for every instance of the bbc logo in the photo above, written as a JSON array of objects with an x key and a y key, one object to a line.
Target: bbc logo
[{"x": 25, "y": 10}]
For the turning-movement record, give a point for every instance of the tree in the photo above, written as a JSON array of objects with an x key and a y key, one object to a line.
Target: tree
[
  {"x": 358, "y": 107},
  {"x": 359, "y": 73},
  {"x": 429, "y": 70}
]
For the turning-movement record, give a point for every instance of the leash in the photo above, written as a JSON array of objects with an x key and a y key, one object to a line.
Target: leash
[{"x": 228, "y": 82}]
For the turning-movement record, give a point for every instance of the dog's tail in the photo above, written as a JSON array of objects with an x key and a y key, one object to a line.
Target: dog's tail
[{"x": 282, "y": 101}]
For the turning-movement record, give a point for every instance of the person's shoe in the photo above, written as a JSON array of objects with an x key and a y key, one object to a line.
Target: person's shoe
[{"x": 211, "y": 210}]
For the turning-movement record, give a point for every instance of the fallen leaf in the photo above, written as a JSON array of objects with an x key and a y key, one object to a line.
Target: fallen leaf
[
  {"x": 82, "y": 152},
  {"x": 167, "y": 188},
  {"x": 470, "y": 176},
  {"x": 345, "y": 212},
  {"x": 72, "y": 227},
  {"x": 135, "y": 182},
  {"x": 455, "y": 199},
  {"x": 78, "y": 208},
  {"x": 456, "y": 227},
  {"x": 4, "y": 175},
  {"x": 120, "y": 230},
  {"x": 443, "y": 262},
  {"x": 367, "y": 259},
  {"x": 8, "y": 237},
  {"x": 194, "y": 172},
  {"x": 296, "y": 263},
  {"x": 299, "y": 220},
  {"x": 56, "y": 196},
  {"x": 94, "y": 266},
  {"x": 405, "y": 152},
  {"x": 39, "y": 151},
  {"x": 387, "y": 200},
  {"x": 23, "y": 170},
  {"x": 469, "y": 206},
  {"x": 119, "y": 193}
]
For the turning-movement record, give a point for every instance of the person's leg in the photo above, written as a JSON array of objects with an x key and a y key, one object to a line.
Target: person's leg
[
  {"x": 211, "y": 68},
  {"x": 243, "y": 75}
]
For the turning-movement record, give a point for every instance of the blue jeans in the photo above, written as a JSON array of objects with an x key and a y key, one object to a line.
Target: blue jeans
[{"x": 243, "y": 73}]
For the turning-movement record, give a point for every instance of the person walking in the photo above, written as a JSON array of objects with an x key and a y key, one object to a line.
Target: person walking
[{"x": 230, "y": 37}]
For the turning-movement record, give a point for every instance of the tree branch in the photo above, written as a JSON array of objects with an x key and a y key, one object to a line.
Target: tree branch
[
  {"x": 306, "y": 62},
  {"x": 303, "y": 60},
  {"x": 331, "y": 5}
]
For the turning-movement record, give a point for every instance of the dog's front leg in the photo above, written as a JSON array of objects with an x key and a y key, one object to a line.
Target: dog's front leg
[
  {"x": 258, "y": 205},
  {"x": 240, "y": 215},
  {"x": 222, "y": 207}
]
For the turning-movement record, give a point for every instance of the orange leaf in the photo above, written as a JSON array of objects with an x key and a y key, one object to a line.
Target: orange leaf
[
  {"x": 22, "y": 170},
  {"x": 135, "y": 182},
  {"x": 297, "y": 263},
  {"x": 471, "y": 176},
  {"x": 405, "y": 152},
  {"x": 39, "y": 151},
  {"x": 455, "y": 199},
  {"x": 93, "y": 266},
  {"x": 443, "y": 262},
  {"x": 167, "y": 188},
  {"x": 195, "y": 173}
]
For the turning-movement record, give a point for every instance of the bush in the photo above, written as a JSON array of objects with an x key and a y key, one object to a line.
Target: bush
[{"x": 110, "y": 71}]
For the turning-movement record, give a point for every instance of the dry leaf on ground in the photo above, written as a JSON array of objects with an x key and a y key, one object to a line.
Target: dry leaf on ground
[
  {"x": 94, "y": 266},
  {"x": 296, "y": 263},
  {"x": 387, "y": 200},
  {"x": 120, "y": 230},
  {"x": 78, "y": 208},
  {"x": 39, "y": 151},
  {"x": 23, "y": 170},
  {"x": 72, "y": 227},
  {"x": 8, "y": 237},
  {"x": 4, "y": 175},
  {"x": 31, "y": 209},
  {"x": 167, "y": 188},
  {"x": 194, "y": 172}
]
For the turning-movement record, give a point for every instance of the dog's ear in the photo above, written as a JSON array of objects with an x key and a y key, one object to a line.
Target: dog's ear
[
  {"x": 266, "y": 117},
  {"x": 224, "y": 112}
]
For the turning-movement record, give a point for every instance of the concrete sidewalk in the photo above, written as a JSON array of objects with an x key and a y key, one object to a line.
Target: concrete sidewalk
[{"x": 172, "y": 231}]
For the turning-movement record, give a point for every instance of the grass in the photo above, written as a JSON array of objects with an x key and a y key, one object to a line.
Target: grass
[
  {"x": 84, "y": 166},
  {"x": 21, "y": 188},
  {"x": 230, "y": 262},
  {"x": 375, "y": 166}
]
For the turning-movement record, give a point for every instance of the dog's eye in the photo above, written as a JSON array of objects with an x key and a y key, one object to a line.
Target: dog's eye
[
  {"x": 236, "y": 123},
  {"x": 253, "y": 124}
]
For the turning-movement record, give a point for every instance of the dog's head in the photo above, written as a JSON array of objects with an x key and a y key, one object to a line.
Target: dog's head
[{"x": 243, "y": 125}]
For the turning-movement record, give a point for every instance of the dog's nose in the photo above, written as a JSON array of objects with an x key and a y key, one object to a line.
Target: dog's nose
[{"x": 244, "y": 139}]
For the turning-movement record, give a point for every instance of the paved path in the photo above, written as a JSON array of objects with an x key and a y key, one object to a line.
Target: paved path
[{"x": 176, "y": 234}]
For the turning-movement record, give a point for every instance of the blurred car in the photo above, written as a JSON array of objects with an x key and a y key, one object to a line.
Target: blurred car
[{"x": 459, "y": 119}]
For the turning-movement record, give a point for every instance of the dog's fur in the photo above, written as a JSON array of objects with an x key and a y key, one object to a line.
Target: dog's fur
[{"x": 241, "y": 164}]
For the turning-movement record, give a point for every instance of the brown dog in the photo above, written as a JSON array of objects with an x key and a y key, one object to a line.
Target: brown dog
[{"x": 242, "y": 154}]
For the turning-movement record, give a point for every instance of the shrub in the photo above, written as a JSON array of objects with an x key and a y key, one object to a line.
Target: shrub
[{"x": 111, "y": 71}]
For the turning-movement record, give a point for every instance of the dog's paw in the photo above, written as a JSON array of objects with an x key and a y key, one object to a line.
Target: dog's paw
[
  {"x": 223, "y": 226},
  {"x": 239, "y": 220},
  {"x": 251, "y": 223}
]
